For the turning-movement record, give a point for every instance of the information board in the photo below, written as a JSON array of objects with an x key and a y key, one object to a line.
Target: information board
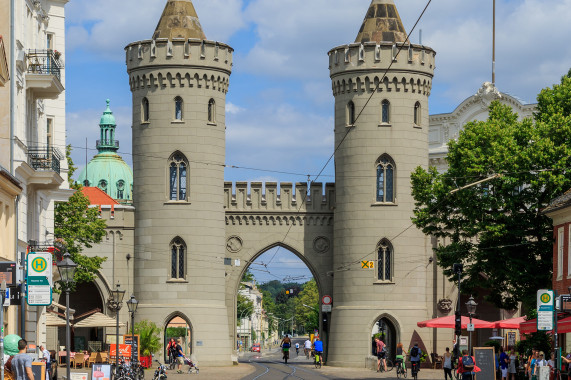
[
  {"x": 8, "y": 273},
  {"x": 39, "y": 278},
  {"x": 128, "y": 339},
  {"x": 484, "y": 357},
  {"x": 545, "y": 310},
  {"x": 124, "y": 351},
  {"x": 39, "y": 370}
]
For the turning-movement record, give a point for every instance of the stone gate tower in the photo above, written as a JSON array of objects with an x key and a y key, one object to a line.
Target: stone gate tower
[
  {"x": 381, "y": 113},
  {"x": 179, "y": 82}
]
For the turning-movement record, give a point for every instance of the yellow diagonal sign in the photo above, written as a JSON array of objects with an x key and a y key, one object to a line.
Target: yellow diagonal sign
[{"x": 367, "y": 264}]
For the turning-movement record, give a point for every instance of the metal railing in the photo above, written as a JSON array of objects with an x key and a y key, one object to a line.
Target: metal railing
[
  {"x": 44, "y": 62},
  {"x": 107, "y": 143},
  {"x": 47, "y": 159}
]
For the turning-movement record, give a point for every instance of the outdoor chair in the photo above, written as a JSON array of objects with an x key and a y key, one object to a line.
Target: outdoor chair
[
  {"x": 92, "y": 359},
  {"x": 436, "y": 360},
  {"x": 78, "y": 359}
]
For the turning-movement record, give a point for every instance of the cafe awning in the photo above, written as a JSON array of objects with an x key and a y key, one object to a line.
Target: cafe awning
[
  {"x": 512, "y": 323},
  {"x": 54, "y": 320},
  {"x": 448, "y": 323},
  {"x": 528, "y": 327},
  {"x": 97, "y": 320}
]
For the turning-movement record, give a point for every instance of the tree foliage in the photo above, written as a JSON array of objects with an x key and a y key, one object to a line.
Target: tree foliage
[
  {"x": 78, "y": 227},
  {"x": 244, "y": 308},
  {"x": 149, "y": 337},
  {"x": 496, "y": 229},
  {"x": 304, "y": 315}
]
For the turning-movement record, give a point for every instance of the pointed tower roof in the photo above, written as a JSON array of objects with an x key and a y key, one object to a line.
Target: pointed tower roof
[
  {"x": 382, "y": 24},
  {"x": 179, "y": 20}
]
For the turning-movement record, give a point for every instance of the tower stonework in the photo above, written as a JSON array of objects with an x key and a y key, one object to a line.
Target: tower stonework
[
  {"x": 179, "y": 83},
  {"x": 383, "y": 120}
]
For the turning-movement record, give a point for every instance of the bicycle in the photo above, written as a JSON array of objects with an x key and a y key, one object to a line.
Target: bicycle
[
  {"x": 401, "y": 369},
  {"x": 285, "y": 351},
  {"x": 414, "y": 370},
  {"x": 307, "y": 352},
  {"x": 317, "y": 361}
]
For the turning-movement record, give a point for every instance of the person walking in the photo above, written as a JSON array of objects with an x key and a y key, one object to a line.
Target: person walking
[
  {"x": 504, "y": 362},
  {"x": 512, "y": 364},
  {"x": 381, "y": 353},
  {"x": 179, "y": 356},
  {"x": 447, "y": 365},
  {"x": 46, "y": 357},
  {"x": 22, "y": 362},
  {"x": 467, "y": 366}
]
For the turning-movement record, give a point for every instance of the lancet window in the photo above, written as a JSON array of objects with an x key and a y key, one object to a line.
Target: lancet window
[
  {"x": 212, "y": 111},
  {"x": 417, "y": 113},
  {"x": 350, "y": 113},
  {"x": 178, "y": 183},
  {"x": 145, "y": 110},
  {"x": 385, "y": 112},
  {"x": 178, "y": 103},
  {"x": 386, "y": 179},
  {"x": 385, "y": 260},
  {"x": 178, "y": 258}
]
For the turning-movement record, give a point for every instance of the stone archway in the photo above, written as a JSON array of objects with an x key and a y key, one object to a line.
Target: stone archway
[
  {"x": 179, "y": 327},
  {"x": 390, "y": 332}
]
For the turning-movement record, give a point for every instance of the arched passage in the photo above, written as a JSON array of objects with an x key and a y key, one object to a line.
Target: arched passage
[
  {"x": 388, "y": 330},
  {"x": 178, "y": 327}
]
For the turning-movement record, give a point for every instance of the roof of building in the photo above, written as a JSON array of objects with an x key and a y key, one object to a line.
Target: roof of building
[
  {"x": 97, "y": 196},
  {"x": 382, "y": 23},
  {"x": 107, "y": 118},
  {"x": 559, "y": 202},
  {"x": 179, "y": 20}
]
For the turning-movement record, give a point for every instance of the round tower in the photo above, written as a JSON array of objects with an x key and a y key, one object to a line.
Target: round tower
[
  {"x": 381, "y": 128},
  {"x": 107, "y": 170},
  {"x": 179, "y": 82}
]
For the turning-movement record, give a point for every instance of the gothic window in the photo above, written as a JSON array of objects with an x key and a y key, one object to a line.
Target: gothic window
[
  {"x": 145, "y": 110},
  {"x": 351, "y": 113},
  {"x": 178, "y": 167},
  {"x": 178, "y": 108},
  {"x": 178, "y": 256},
  {"x": 120, "y": 189},
  {"x": 417, "y": 113},
  {"x": 103, "y": 185},
  {"x": 212, "y": 111},
  {"x": 384, "y": 263},
  {"x": 385, "y": 112},
  {"x": 385, "y": 179}
]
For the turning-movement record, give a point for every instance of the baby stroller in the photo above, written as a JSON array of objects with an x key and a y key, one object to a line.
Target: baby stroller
[{"x": 191, "y": 365}]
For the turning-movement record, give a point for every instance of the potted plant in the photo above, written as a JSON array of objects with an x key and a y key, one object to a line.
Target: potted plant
[
  {"x": 149, "y": 341},
  {"x": 57, "y": 55}
]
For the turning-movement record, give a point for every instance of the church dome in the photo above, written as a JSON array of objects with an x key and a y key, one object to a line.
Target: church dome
[{"x": 107, "y": 170}]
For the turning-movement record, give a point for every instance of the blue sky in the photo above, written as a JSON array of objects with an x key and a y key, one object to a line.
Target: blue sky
[{"x": 280, "y": 106}]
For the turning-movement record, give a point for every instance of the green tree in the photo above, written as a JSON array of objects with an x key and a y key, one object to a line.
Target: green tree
[
  {"x": 496, "y": 229},
  {"x": 304, "y": 315},
  {"x": 244, "y": 308},
  {"x": 77, "y": 226},
  {"x": 149, "y": 337}
]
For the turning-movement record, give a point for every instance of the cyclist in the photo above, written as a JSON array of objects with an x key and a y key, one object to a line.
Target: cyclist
[
  {"x": 318, "y": 347},
  {"x": 285, "y": 345},
  {"x": 401, "y": 353},
  {"x": 307, "y": 348},
  {"x": 381, "y": 353},
  {"x": 467, "y": 366},
  {"x": 296, "y": 349},
  {"x": 415, "y": 353}
]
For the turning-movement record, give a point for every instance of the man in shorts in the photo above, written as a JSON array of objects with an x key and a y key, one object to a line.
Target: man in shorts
[
  {"x": 22, "y": 362},
  {"x": 179, "y": 356},
  {"x": 504, "y": 362},
  {"x": 381, "y": 354}
]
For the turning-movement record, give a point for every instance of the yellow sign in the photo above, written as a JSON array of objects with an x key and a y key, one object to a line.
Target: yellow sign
[
  {"x": 545, "y": 298},
  {"x": 367, "y": 265},
  {"x": 39, "y": 264}
]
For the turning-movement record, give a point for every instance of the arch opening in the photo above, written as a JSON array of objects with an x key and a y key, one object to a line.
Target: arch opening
[
  {"x": 387, "y": 330},
  {"x": 178, "y": 329}
]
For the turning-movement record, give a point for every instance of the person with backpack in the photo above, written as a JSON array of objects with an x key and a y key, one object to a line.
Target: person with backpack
[
  {"x": 504, "y": 363},
  {"x": 415, "y": 354},
  {"x": 467, "y": 366},
  {"x": 381, "y": 354}
]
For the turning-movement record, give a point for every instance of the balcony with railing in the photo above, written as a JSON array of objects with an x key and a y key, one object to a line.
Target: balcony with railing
[
  {"x": 43, "y": 75},
  {"x": 44, "y": 159},
  {"x": 102, "y": 144}
]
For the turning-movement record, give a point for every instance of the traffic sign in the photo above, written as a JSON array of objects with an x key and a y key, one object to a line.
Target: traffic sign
[
  {"x": 326, "y": 308},
  {"x": 327, "y": 300},
  {"x": 470, "y": 327},
  {"x": 545, "y": 307},
  {"x": 39, "y": 278},
  {"x": 367, "y": 264}
]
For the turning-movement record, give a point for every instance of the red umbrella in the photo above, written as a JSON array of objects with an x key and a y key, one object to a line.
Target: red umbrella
[
  {"x": 528, "y": 327},
  {"x": 513, "y": 323},
  {"x": 448, "y": 323}
]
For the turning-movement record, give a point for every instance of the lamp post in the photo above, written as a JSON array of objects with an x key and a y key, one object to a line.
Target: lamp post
[
  {"x": 66, "y": 268},
  {"x": 471, "y": 306},
  {"x": 132, "y": 304},
  {"x": 115, "y": 303},
  {"x": 3, "y": 291}
]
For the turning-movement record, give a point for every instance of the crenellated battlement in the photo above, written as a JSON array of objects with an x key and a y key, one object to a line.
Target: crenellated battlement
[
  {"x": 370, "y": 55},
  {"x": 286, "y": 198},
  {"x": 179, "y": 53}
]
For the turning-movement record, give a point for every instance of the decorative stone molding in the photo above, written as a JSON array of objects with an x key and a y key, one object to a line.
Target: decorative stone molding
[
  {"x": 321, "y": 244},
  {"x": 234, "y": 244},
  {"x": 271, "y": 219},
  {"x": 445, "y": 305},
  {"x": 488, "y": 93}
]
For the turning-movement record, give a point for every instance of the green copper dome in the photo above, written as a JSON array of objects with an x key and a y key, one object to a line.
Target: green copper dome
[{"x": 107, "y": 170}]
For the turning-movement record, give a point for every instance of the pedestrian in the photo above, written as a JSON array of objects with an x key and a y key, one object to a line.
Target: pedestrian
[
  {"x": 381, "y": 353},
  {"x": 447, "y": 365},
  {"x": 512, "y": 367},
  {"x": 45, "y": 355},
  {"x": 22, "y": 362},
  {"x": 179, "y": 356},
  {"x": 467, "y": 366},
  {"x": 504, "y": 362}
]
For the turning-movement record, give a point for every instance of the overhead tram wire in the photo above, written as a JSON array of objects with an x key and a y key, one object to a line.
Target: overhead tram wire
[{"x": 357, "y": 118}]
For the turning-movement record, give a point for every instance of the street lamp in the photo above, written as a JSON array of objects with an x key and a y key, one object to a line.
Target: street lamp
[
  {"x": 115, "y": 303},
  {"x": 3, "y": 292},
  {"x": 471, "y": 306},
  {"x": 132, "y": 305},
  {"x": 66, "y": 268}
]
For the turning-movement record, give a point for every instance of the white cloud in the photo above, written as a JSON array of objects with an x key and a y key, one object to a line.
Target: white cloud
[{"x": 233, "y": 109}]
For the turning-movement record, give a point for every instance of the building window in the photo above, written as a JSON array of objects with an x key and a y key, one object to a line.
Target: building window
[
  {"x": 145, "y": 110},
  {"x": 178, "y": 108},
  {"x": 384, "y": 263},
  {"x": 212, "y": 111},
  {"x": 49, "y": 132},
  {"x": 385, "y": 112},
  {"x": 417, "y": 113},
  {"x": 178, "y": 177},
  {"x": 560, "y": 245},
  {"x": 178, "y": 254},
  {"x": 351, "y": 114},
  {"x": 120, "y": 189},
  {"x": 103, "y": 185},
  {"x": 385, "y": 179}
]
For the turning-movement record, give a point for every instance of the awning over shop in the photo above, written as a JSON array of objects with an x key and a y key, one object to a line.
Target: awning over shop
[
  {"x": 448, "y": 323},
  {"x": 54, "y": 320},
  {"x": 512, "y": 323},
  {"x": 528, "y": 327},
  {"x": 97, "y": 320}
]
